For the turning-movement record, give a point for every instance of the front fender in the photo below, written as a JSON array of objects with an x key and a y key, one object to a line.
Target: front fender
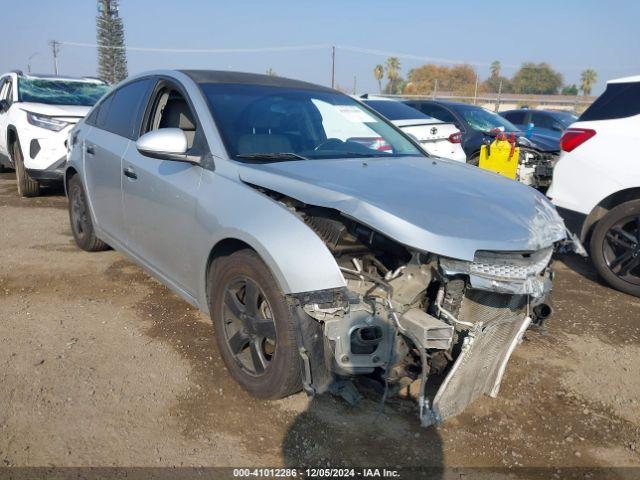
[{"x": 297, "y": 257}]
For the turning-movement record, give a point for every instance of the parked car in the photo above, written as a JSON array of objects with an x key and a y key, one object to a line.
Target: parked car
[
  {"x": 36, "y": 114},
  {"x": 478, "y": 125},
  {"x": 319, "y": 258},
  {"x": 436, "y": 138},
  {"x": 596, "y": 184},
  {"x": 548, "y": 123}
]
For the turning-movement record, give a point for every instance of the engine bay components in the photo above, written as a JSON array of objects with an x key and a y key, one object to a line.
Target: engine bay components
[{"x": 408, "y": 316}]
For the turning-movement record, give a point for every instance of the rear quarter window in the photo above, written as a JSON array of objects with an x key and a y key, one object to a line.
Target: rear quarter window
[{"x": 619, "y": 100}]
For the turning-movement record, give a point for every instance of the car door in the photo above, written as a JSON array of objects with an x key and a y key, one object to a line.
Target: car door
[
  {"x": 160, "y": 195},
  {"x": 104, "y": 146},
  {"x": 5, "y": 94}
]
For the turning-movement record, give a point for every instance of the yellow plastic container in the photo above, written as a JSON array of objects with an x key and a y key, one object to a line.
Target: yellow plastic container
[{"x": 500, "y": 158}]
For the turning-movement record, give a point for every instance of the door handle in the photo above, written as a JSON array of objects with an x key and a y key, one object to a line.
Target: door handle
[
  {"x": 90, "y": 150},
  {"x": 130, "y": 173}
]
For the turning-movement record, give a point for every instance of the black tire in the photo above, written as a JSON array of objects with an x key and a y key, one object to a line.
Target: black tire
[
  {"x": 281, "y": 375},
  {"x": 474, "y": 159},
  {"x": 80, "y": 218},
  {"x": 615, "y": 247},
  {"x": 27, "y": 187}
]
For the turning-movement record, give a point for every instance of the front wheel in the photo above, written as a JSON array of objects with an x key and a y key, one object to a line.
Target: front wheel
[
  {"x": 27, "y": 187},
  {"x": 255, "y": 329},
  {"x": 615, "y": 247}
]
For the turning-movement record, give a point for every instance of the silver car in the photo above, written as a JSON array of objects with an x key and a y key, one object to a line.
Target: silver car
[{"x": 320, "y": 256}]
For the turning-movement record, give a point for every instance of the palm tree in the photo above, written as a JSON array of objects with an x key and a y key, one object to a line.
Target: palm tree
[
  {"x": 496, "y": 68},
  {"x": 378, "y": 72},
  {"x": 587, "y": 79},
  {"x": 393, "y": 73}
]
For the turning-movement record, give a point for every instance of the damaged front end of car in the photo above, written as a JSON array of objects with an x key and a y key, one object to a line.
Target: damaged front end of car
[{"x": 409, "y": 316}]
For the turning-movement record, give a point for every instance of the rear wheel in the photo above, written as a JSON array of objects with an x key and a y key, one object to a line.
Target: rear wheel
[
  {"x": 255, "y": 329},
  {"x": 80, "y": 219},
  {"x": 27, "y": 187},
  {"x": 615, "y": 247}
]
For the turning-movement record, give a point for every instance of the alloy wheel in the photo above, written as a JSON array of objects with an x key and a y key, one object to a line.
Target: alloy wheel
[
  {"x": 621, "y": 249},
  {"x": 249, "y": 327},
  {"x": 79, "y": 212}
]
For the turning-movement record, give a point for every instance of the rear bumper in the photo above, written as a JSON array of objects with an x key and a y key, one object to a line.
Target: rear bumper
[{"x": 573, "y": 220}]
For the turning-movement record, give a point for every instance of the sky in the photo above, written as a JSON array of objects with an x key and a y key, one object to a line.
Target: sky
[{"x": 571, "y": 35}]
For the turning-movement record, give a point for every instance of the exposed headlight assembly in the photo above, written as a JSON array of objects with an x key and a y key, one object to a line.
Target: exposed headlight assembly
[
  {"x": 506, "y": 272},
  {"x": 44, "y": 121}
]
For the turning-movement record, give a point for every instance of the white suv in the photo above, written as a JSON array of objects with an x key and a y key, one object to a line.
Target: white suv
[
  {"x": 36, "y": 114},
  {"x": 596, "y": 182}
]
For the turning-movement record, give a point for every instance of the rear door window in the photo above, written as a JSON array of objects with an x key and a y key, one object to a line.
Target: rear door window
[
  {"x": 515, "y": 117},
  {"x": 393, "y": 110},
  {"x": 125, "y": 109},
  {"x": 436, "y": 111},
  {"x": 620, "y": 100},
  {"x": 542, "y": 120}
]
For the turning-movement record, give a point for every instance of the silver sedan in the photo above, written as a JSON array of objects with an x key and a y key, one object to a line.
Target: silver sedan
[{"x": 324, "y": 243}]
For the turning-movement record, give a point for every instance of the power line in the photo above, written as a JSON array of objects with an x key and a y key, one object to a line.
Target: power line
[
  {"x": 292, "y": 48},
  {"x": 200, "y": 50}
]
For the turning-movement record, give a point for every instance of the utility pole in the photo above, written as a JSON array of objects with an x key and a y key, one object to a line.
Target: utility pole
[
  {"x": 29, "y": 61},
  {"x": 499, "y": 92},
  {"x": 55, "y": 49},
  {"x": 435, "y": 89},
  {"x": 355, "y": 83},
  {"x": 475, "y": 92},
  {"x": 333, "y": 66}
]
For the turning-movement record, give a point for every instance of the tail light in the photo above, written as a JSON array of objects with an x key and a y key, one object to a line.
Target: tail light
[
  {"x": 455, "y": 137},
  {"x": 572, "y": 138}
]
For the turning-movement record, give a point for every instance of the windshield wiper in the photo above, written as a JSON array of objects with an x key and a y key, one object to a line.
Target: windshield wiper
[{"x": 272, "y": 156}]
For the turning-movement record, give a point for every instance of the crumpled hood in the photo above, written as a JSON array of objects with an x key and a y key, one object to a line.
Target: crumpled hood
[
  {"x": 429, "y": 204},
  {"x": 56, "y": 110}
]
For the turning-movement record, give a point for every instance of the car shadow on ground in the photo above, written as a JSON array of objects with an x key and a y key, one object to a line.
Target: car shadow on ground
[
  {"x": 332, "y": 434},
  {"x": 582, "y": 266}
]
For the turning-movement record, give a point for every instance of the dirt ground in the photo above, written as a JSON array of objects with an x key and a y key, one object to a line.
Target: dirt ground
[{"x": 101, "y": 365}]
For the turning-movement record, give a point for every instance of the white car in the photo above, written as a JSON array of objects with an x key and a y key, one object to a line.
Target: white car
[
  {"x": 437, "y": 138},
  {"x": 36, "y": 114},
  {"x": 596, "y": 182}
]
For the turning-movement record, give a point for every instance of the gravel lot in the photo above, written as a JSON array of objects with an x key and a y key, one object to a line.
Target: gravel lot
[{"x": 102, "y": 365}]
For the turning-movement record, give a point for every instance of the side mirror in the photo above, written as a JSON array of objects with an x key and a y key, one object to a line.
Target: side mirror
[
  {"x": 4, "y": 106},
  {"x": 166, "y": 144}
]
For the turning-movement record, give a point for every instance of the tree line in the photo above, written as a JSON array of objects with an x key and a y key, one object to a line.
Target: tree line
[{"x": 531, "y": 78}]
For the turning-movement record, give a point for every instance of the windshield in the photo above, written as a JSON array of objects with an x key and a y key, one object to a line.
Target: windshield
[
  {"x": 484, "y": 120},
  {"x": 60, "y": 92},
  {"x": 269, "y": 123},
  {"x": 395, "y": 110},
  {"x": 565, "y": 118}
]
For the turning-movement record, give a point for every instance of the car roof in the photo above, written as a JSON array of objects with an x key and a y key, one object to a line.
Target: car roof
[
  {"x": 46, "y": 76},
  {"x": 366, "y": 96},
  {"x": 447, "y": 103},
  {"x": 632, "y": 79},
  {"x": 225, "y": 76}
]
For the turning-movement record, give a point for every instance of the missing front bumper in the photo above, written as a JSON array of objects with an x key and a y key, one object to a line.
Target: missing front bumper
[{"x": 484, "y": 354}]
